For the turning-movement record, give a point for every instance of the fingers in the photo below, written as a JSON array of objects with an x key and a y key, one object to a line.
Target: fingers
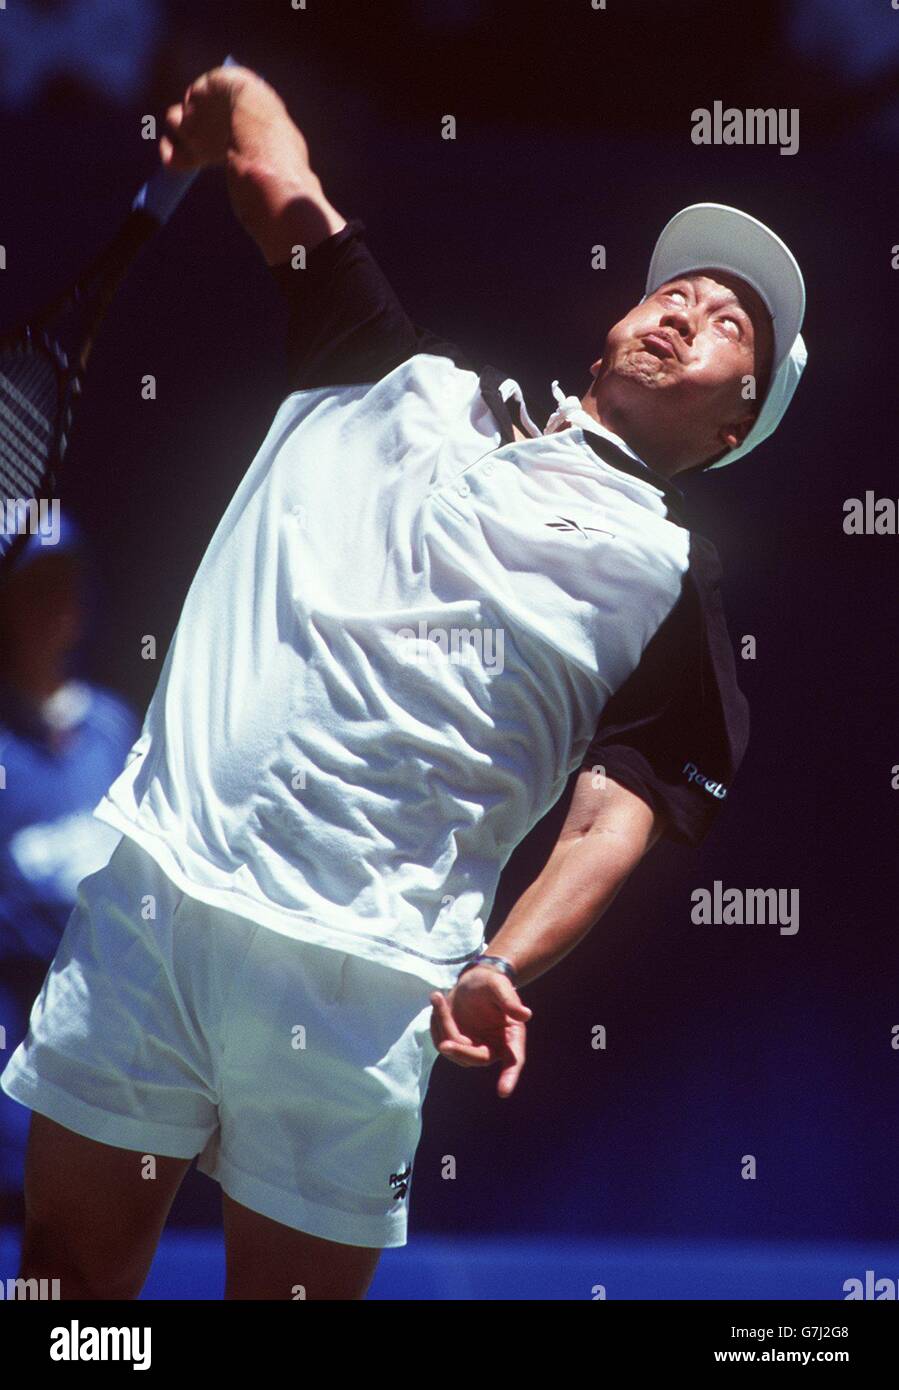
[
  {"x": 513, "y": 1059},
  {"x": 451, "y": 1042},
  {"x": 511, "y": 1001},
  {"x": 197, "y": 129},
  {"x": 234, "y": 72},
  {"x": 196, "y": 88},
  {"x": 213, "y": 78},
  {"x": 467, "y": 1054},
  {"x": 173, "y": 151},
  {"x": 217, "y": 80},
  {"x": 446, "y": 1022}
]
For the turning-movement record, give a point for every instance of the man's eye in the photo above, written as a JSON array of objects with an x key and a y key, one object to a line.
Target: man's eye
[
  {"x": 669, "y": 294},
  {"x": 732, "y": 321}
]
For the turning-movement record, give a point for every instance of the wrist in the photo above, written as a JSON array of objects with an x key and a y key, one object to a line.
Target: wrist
[{"x": 493, "y": 962}]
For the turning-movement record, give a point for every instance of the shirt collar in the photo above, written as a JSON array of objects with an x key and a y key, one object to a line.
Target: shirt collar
[{"x": 611, "y": 448}]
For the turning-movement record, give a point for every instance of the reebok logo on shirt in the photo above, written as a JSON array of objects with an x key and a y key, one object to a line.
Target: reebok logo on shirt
[
  {"x": 565, "y": 523},
  {"x": 694, "y": 775}
]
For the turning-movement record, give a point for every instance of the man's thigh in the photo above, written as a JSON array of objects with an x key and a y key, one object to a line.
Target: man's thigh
[
  {"x": 266, "y": 1260},
  {"x": 325, "y": 1060},
  {"x": 93, "y": 1212}
]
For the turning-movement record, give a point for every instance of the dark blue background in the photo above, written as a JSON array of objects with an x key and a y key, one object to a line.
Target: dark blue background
[{"x": 573, "y": 129}]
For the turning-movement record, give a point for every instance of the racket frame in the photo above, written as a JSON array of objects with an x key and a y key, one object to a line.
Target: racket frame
[{"x": 150, "y": 210}]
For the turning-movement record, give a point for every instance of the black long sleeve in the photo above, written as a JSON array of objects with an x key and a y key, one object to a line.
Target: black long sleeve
[{"x": 345, "y": 322}]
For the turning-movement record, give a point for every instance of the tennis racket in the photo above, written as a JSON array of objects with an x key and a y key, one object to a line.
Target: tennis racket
[{"x": 44, "y": 360}]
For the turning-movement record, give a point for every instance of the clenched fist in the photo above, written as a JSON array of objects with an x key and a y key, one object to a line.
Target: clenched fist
[{"x": 231, "y": 116}]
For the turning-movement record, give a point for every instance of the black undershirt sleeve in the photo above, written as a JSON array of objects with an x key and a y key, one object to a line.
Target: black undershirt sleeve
[
  {"x": 676, "y": 732},
  {"x": 346, "y": 325}
]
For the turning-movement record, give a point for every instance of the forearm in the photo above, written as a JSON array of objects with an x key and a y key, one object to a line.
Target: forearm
[
  {"x": 292, "y": 211},
  {"x": 582, "y": 877},
  {"x": 275, "y": 192}
]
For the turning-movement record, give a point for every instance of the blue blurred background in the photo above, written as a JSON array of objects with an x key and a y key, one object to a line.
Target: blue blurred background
[{"x": 573, "y": 128}]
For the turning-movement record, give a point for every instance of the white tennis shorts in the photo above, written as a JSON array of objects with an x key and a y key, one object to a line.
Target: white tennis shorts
[{"x": 297, "y": 1073}]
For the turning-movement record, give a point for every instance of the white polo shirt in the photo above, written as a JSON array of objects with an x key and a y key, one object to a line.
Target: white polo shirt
[{"x": 401, "y": 642}]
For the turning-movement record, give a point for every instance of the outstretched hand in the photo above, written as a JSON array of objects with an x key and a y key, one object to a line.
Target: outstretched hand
[{"x": 482, "y": 1021}]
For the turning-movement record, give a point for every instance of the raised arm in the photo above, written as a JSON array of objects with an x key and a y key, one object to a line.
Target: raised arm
[
  {"x": 345, "y": 323},
  {"x": 231, "y": 116}
]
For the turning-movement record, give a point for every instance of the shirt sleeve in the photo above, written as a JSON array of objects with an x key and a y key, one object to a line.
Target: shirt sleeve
[
  {"x": 675, "y": 733},
  {"x": 346, "y": 325}
]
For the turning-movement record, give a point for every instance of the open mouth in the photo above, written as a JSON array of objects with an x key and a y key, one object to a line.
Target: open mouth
[{"x": 658, "y": 346}]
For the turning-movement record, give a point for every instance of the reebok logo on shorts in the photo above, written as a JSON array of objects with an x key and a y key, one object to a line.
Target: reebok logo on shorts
[{"x": 400, "y": 1181}]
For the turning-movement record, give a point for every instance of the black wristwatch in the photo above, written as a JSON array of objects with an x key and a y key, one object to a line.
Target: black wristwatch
[{"x": 495, "y": 963}]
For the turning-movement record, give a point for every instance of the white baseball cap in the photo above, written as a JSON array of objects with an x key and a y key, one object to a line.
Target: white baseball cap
[{"x": 718, "y": 237}]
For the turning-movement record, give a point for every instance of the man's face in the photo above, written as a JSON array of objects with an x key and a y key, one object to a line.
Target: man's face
[{"x": 671, "y": 377}]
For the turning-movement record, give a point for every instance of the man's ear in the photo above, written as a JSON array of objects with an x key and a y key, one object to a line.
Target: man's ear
[
  {"x": 730, "y": 436},
  {"x": 733, "y": 434},
  {"x": 595, "y": 366}
]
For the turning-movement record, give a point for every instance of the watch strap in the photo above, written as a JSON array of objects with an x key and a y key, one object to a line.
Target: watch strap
[{"x": 494, "y": 963}]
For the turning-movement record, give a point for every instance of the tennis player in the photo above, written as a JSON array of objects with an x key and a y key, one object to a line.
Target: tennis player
[{"x": 419, "y": 615}]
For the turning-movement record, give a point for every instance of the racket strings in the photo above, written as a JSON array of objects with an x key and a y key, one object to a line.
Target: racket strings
[{"x": 29, "y": 399}]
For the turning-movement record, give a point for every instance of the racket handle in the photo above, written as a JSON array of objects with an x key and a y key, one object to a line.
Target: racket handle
[{"x": 162, "y": 193}]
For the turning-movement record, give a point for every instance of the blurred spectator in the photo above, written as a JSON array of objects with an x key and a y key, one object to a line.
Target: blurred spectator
[{"x": 62, "y": 741}]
